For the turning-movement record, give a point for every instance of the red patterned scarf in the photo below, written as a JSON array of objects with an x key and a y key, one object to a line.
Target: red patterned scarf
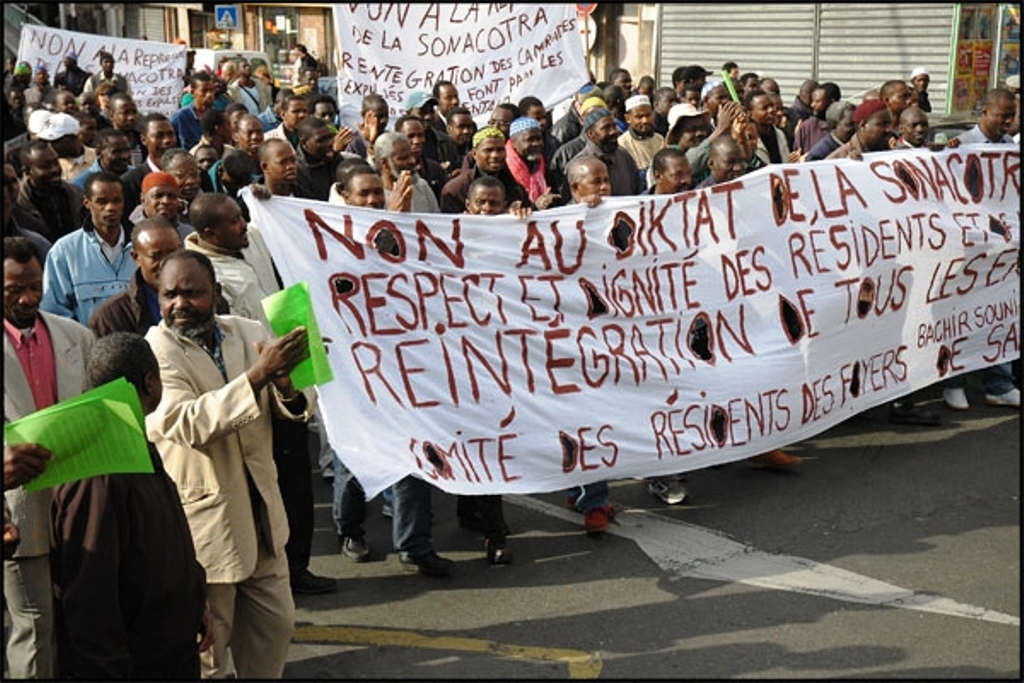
[{"x": 535, "y": 183}]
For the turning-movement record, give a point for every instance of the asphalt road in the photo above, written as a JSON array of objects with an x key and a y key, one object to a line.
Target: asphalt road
[{"x": 890, "y": 552}]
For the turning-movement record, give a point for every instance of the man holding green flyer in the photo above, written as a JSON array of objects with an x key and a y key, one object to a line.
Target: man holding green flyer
[
  {"x": 224, "y": 379},
  {"x": 128, "y": 604},
  {"x": 44, "y": 362}
]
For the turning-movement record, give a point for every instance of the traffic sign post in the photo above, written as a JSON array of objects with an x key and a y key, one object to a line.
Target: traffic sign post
[
  {"x": 585, "y": 9},
  {"x": 226, "y": 17}
]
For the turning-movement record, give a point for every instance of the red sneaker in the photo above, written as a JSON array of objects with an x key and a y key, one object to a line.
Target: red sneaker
[
  {"x": 776, "y": 458},
  {"x": 595, "y": 520}
]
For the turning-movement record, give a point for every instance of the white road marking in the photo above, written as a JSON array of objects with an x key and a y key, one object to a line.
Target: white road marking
[{"x": 687, "y": 550}]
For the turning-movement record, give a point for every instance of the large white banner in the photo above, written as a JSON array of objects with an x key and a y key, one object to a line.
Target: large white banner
[
  {"x": 155, "y": 71},
  {"x": 496, "y": 354},
  {"x": 492, "y": 52}
]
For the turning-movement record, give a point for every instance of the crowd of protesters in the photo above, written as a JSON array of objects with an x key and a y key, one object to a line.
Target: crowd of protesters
[{"x": 128, "y": 253}]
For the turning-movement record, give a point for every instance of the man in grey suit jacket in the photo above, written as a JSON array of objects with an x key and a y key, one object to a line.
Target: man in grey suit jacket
[{"x": 44, "y": 363}]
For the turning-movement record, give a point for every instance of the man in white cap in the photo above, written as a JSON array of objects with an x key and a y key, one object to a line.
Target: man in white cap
[
  {"x": 640, "y": 139},
  {"x": 61, "y": 131},
  {"x": 920, "y": 78}
]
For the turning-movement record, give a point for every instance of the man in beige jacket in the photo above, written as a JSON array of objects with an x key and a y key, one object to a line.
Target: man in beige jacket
[{"x": 223, "y": 378}]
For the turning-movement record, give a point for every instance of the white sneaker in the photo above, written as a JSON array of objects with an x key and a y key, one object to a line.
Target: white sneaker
[
  {"x": 1011, "y": 399},
  {"x": 956, "y": 398}
]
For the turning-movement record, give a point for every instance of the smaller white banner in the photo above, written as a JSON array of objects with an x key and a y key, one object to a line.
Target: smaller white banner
[{"x": 155, "y": 71}]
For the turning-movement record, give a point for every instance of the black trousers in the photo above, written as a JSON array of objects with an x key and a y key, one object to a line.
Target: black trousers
[
  {"x": 489, "y": 513},
  {"x": 295, "y": 481}
]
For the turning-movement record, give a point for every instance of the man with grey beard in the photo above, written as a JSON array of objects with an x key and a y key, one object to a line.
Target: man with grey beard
[{"x": 224, "y": 378}]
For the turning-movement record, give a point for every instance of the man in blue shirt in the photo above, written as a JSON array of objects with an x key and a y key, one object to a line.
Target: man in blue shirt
[
  {"x": 187, "y": 121},
  {"x": 88, "y": 266}
]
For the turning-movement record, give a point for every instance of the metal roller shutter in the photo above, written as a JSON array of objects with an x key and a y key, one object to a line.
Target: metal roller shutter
[
  {"x": 151, "y": 23},
  {"x": 771, "y": 40},
  {"x": 863, "y": 45},
  {"x": 144, "y": 20}
]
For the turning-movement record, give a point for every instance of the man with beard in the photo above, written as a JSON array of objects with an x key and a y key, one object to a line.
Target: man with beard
[
  {"x": 524, "y": 156},
  {"x": 113, "y": 154},
  {"x": 603, "y": 143},
  {"x": 488, "y": 157},
  {"x": 640, "y": 140},
  {"x": 158, "y": 136},
  {"x": 93, "y": 263},
  {"x": 814, "y": 128},
  {"x": 224, "y": 377},
  {"x": 138, "y": 308},
  {"x": 395, "y": 159},
  {"x": 46, "y": 204},
  {"x": 44, "y": 362}
]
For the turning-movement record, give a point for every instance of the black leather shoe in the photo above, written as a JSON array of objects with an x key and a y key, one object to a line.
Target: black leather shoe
[
  {"x": 498, "y": 552},
  {"x": 430, "y": 564},
  {"x": 903, "y": 414},
  {"x": 306, "y": 582}
]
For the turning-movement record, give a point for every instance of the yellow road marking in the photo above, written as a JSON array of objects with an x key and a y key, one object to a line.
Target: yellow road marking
[{"x": 581, "y": 664}]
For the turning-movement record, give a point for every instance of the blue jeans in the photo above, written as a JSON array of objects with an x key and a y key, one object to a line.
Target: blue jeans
[
  {"x": 410, "y": 525},
  {"x": 349, "y": 504},
  {"x": 590, "y": 496},
  {"x": 997, "y": 379}
]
